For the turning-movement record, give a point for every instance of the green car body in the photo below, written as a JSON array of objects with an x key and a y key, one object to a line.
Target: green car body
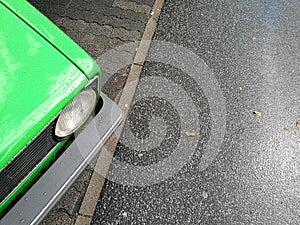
[{"x": 41, "y": 71}]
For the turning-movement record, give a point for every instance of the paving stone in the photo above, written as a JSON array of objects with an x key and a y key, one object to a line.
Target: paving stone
[
  {"x": 126, "y": 14},
  {"x": 93, "y": 12},
  {"x": 57, "y": 217},
  {"x": 132, "y": 6},
  {"x": 125, "y": 35},
  {"x": 82, "y": 182},
  {"x": 100, "y": 30},
  {"x": 144, "y": 2},
  {"x": 124, "y": 23},
  {"x": 69, "y": 24},
  {"x": 94, "y": 38},
  {"x": 106, "y": 44},
  {"x": 70, "y": 201},
  {"x": 111, "y": 88}
]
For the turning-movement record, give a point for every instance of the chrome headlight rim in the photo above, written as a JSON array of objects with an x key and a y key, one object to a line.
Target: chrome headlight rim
[{"x": 92, "y": 88}]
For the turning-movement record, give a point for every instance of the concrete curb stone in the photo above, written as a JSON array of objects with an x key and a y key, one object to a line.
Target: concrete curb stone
[
  {"x": 97, "y": 28},
  {"x": 90, "y": 201}
]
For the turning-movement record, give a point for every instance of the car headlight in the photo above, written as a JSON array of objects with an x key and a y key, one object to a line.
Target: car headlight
[{"x": 76, "y": 113}]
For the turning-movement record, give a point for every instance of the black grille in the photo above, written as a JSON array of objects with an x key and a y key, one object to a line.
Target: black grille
[{"x": 21, "y": 166}]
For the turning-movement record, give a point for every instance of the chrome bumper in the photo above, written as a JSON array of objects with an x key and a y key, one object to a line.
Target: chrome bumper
[{"x": 48, "y": 190}]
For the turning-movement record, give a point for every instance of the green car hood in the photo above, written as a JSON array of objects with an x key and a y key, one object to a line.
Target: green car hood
[
  {"x": 54, "y": 35},
  {"x": 36, "y": 82}
]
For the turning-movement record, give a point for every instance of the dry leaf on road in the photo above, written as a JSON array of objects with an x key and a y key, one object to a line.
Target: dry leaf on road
[
  {"x": 191, "y": 133},
  {"x": 298, "y": 124},
  {"x": 257, "y": 113}
]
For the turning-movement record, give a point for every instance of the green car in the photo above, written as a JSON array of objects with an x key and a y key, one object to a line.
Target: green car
[{"x": 53, "y": 117}]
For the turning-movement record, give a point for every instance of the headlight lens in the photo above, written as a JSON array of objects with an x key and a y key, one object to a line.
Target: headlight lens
[{"x": 76, "y": 113}]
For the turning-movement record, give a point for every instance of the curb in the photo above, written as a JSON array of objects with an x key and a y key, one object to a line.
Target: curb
[{"x": 96, "y": 183}]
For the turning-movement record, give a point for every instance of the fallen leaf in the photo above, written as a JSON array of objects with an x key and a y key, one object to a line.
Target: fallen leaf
[
  {"x": 204, "y": 194},
  {"x": 286, "y": 129},
  {"x": 257, "y": 113},
  {"x": 190, "y": 133},
  {"x": 298, "y": 124},
  {"x": 116, "y": 80}
]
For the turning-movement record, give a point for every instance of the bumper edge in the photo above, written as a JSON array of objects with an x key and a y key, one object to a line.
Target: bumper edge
[{"x": 48, "y": 190}]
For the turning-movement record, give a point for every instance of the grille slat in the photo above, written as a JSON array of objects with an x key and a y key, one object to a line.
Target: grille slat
[{"x": 22, "y": 165}]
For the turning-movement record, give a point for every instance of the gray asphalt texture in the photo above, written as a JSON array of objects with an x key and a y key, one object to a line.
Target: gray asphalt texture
[{"x": 252, "y": 48}]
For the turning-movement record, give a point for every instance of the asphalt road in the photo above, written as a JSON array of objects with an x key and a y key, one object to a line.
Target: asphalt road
[{"x": 233, "y": 88}]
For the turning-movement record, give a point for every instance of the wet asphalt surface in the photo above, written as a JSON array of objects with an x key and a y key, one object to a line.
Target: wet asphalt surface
[{"x": 249, "y": 51}]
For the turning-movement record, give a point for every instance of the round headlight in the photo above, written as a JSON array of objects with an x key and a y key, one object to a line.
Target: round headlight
[{"x": 76, "y": 113}]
